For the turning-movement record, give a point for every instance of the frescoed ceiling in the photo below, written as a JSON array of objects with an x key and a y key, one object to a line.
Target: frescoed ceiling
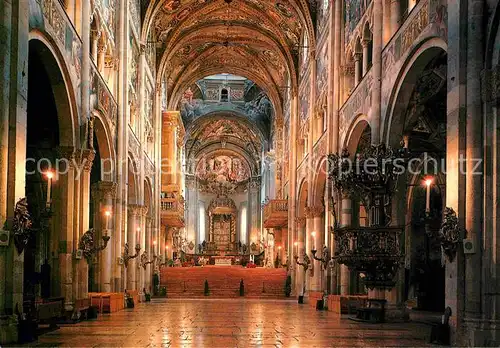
[{"x": 257, "y": 39}]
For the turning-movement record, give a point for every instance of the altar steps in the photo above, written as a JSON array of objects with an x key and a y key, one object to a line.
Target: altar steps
[{"x": 223, "y": 282}]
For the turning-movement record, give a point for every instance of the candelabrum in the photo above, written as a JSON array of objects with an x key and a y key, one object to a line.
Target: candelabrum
[
  {"x": 89, "y": 246},
  {"x": 145, "y": 259},
  {"x": 127, "y": 256},
  {"x": 306, "y": 262},
  {"x": 324, "y": 257}
]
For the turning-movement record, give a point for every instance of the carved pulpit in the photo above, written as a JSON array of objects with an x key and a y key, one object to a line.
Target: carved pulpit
[{"x": 222, "y": 214}]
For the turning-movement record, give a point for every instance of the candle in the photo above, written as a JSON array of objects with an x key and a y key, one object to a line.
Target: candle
[
  {"x": 313, "y": 235},
  {"x": 49, "y": 176},
  {"x": 428, "y": 183},
  {"x": 107, "y": 213},
  {"x": 296, "y": 246},
  {"x": 138, "y": 235}
]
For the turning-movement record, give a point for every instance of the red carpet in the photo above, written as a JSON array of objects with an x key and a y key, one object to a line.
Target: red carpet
[{"x": 223, "y": 281}]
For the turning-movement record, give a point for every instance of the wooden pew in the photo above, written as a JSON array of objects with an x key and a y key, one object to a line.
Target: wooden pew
[{"x": 49, "y": 311}]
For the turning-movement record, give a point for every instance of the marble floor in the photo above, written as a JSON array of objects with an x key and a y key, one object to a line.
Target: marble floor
[{"x": 231, "y": 323}]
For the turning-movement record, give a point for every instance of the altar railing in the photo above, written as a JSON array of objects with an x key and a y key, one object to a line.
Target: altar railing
[
  {"x": 276, "y": 213},
  {"x": 172, "y": 207}
]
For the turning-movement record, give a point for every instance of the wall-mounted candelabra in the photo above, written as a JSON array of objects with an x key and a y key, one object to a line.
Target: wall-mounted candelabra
[
  {"x": 127, "y": 256},
  {"x": 146, "y": 261},
  {"x": 89, "y": 246},
  {"x": 325, "y": 256},
  {"x": 306, "y": 261}
]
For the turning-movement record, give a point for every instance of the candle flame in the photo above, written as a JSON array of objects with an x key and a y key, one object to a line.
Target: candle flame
[
  {"x": 107, "y": 213},
  {"x": 49, "y": 174},
  {"x": 296, "y": 243},
  {"x": 428, "y": 182}
]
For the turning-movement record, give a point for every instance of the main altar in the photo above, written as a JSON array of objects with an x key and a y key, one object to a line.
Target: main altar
[{"x": 222, "y": 214}]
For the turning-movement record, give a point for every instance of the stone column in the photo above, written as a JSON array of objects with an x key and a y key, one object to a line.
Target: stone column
[
  {"x": 474, "y": 305},
  {"x": 192, "y": 213},
  {"x": 142, "y": 241},
  {"x": 104, "y": 193},
  {"x": 366, "y": 55},
  {"x": 456, "y": 194},
  {"x": 300, "y": 223},
  {"x": 87, "y": 158},
  {"x": 101, "y": 56},
  {"x": 121, "y": 213},
  {"x": 65, "y": 227},
  {"x": 346, "y": 220},
  {"x": 133, "y": 212},
  {"x": 150, "y": 252},
  {"x": 375, "y": 110},
  {"x": 358, "y": 69},
  {"x": 395, "y": 16},
  {"x": 315, "y": 216}
]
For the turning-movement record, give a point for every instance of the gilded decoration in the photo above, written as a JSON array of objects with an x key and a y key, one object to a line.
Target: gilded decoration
[{"x": 196, "y": 35}]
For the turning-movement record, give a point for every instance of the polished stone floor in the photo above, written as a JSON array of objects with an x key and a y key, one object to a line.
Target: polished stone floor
[{"x": 231, "y": 323}]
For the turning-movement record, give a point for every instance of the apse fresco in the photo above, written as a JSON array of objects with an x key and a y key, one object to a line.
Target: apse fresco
[
  {"x": 222, "y": 174},
  {"x": 222, "y": 168}
]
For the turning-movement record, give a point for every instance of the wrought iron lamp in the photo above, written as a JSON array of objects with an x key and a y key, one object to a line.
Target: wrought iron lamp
[
  {"x": 324, "y": 256},
  {"x": 127, "y": 256},
  {"x": 88, "y": 244},
  {"x": 145, "y": 259},
  {"x": 305, "y": 263}
]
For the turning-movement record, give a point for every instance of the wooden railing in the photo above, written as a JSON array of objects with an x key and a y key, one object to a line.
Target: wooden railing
[{"x": 276, "y": 213}]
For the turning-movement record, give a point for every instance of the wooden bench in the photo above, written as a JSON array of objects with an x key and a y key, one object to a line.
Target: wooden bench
[
  {"x": 346, "y": 304},
  {"x": 49, "y": 311},
  {"x": 107, "y": 302}
]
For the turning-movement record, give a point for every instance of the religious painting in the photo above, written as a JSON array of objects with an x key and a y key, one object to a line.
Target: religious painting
[{"x": 222, "y": 168}]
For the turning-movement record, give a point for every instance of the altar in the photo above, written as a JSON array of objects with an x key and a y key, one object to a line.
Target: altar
[
  {"x": 222, "y": 226},
  {"x": 223, "y": 260}
]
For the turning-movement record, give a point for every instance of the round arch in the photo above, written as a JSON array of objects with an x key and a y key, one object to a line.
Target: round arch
[
  {"x": 354, "y": 133},
  {"x": 106, "y": 146},
  {"x": 320, "y": 177},
  {"x": 64, "y": 92},
  {"x": 400, "y": 97},
  {"x": 302, "y": 198},
  {"x": 132, "y": 181}
]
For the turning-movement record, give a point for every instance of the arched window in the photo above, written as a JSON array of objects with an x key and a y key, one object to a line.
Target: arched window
[{"x": 224, "y": 95}]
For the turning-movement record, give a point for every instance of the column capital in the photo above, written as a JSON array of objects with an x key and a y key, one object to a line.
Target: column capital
[
  {"x": 357, "y": 56},
  {"x": 105, "y": 189},
  {"x": 315, "y": 211},
  {"x": 300, "y": 222},
  {"x": 87, "y": 159},
  {"x": 133, "y": 209}
]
